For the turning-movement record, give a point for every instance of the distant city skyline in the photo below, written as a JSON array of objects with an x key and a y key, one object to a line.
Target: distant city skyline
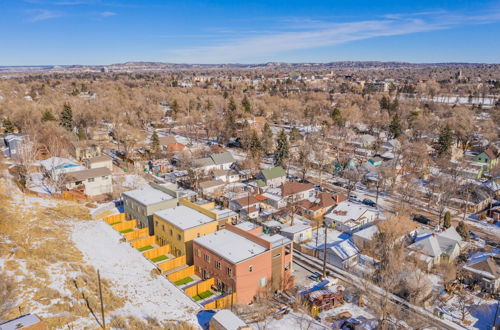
[{"x": 101, "y": 32}]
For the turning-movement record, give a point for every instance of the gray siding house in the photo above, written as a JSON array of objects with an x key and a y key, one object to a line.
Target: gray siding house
[{"x": 142, "y": 203}]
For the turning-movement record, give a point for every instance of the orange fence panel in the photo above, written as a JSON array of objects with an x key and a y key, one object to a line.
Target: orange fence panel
[
  {"x": 226, "y": 301},
  {"x": 211, "y": 305},
  {"x": 114, "y": 218},
  {"x": 125, "y": 225},
  {"x": 136, "y": 234},
  {"x": 172, "y": 264},
  {"x": 191, "y": 291},
  {"x": 142, "y": 242},
  {"x": 180, "y": 274},
  {"x": 200, "y": 287},
  {"x": 162, "y": 250}
]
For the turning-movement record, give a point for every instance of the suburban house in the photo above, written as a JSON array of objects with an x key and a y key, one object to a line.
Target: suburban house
[
  {"x": 246, "y": 262},
  {"x": 364, "y": 237},
  {"x": 99, "y": 161},
  {"x": 178, "y": 226},
  {"x": 142, "y": 203},
  {"x": 272, "y": 177},
  {"x": 487, "y": 157},
  {"x": 247, "y": 206},
  {"x": 297, "y": 233},
  {"x": 84, "y": 149},
  {"x": 316, "y": 207},
  {"x": 343, "y": 254},
  {"x": 350, "y": 217},
  {"x": 220, "y": 161},
  {"x": 473, "y": 197},
  {"x": 95, "y": 181},
  {"x": 226, "y": 175},
  {"x": 435, "y": 248},
  {"x": 211, "y": 187},
  {"x": 224, "y": 319},
  {"x": 483, "y": 268},
  {"x": 288, "y": 193},
  {"x": 26, "y": 322}
]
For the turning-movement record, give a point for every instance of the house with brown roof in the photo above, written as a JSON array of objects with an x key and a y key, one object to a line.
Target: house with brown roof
[
  {"x": 247, "y": 206},
  {"x": 93, "y": 182},
  {"x": 288, "y": 193},
  {"x": 212, "y": 187},
  {"x": 316, "y": 207},
  {"x": 483, "y": 268}
]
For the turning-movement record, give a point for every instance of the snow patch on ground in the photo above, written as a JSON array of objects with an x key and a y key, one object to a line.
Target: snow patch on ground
[{"x": 149, "y": 296}]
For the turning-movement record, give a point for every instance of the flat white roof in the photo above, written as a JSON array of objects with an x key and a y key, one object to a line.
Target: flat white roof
[
  {"x": 147, "y": 195},
  {"x": 247, "y": 225},
  {"x": 184, "y": 217},
  {"x": 352, "y": 212},
  {"x": 228, "y": 320},
  {"x": 230, "y": 246}
]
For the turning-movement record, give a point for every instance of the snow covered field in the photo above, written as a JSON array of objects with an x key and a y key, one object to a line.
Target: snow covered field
[{"x": 150, "y": 296}]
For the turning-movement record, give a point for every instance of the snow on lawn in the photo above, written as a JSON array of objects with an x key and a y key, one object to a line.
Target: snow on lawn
[
  {"x": 149, "y": 296},
  {"x": 290, "y": 321},
  {"x": 480, "y": 313}
]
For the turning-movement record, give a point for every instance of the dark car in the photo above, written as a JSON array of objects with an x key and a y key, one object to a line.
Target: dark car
[
  {"x": 369, "y": 202},
  {"x": 422, "y": 219}
]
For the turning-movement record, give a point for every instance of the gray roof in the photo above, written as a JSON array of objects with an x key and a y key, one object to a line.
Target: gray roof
[
  {"x": 87, "y": 174},
  {"x": 223, "y": 158},
  {"x": 184, "y": 217},
  {"x": 147, "y": 195},
  {"x": 228, "y": 320}
]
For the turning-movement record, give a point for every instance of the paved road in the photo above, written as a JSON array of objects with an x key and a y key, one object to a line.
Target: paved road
[{"x": 425, "y": 316}]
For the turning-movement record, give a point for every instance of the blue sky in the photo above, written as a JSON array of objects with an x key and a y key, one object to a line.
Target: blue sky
[{"x": 37, "y": 32}]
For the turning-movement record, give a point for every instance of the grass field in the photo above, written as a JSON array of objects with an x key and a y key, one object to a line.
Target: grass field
[
  {"x": 115, "y": 223},
  {"x": 183, "y": 281},
  {"x": 126, "y": 231},
  {"x": 159, "y": 258},
  {"x": 203, "y": 295},
  {"x": 145, "y": 248}
]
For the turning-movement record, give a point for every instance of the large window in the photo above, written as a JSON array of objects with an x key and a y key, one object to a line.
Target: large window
[
  {"x": 229, "y": 271},
  {"x": 179, "y": 237},
  {"x": 207, "y": 258},
  {"x": 217, "y": 264}
]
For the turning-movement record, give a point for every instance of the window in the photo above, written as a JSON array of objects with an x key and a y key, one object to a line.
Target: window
[
  {"x": 250, "y": 269},
  {"x": 217, "y": 264},
  {"x": 229, "y": 271},
  {"x": 263, "y": 282},
  {"x": 198, "y": 235},
  {"x": 206, "y": 257},
  {"x": 278, "y": 255},
  {"x": 171, "y": 232},
  {"x": 179, "y": 237},
  {"x": 197, "y": 252},
  {"x": 163, "y": 227},
  {"x": 156, "y": 223},
  {"x": 78, "y": 183},
  {"x": 91, "y": 179}
]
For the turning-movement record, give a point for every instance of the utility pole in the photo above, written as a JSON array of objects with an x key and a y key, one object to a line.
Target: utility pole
[
  {"x": 324, "y": 252},
  {"x": 102, "y": 302}
]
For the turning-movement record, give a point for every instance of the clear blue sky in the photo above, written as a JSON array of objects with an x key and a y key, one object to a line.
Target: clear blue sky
[{"x": 35, "y": 32}]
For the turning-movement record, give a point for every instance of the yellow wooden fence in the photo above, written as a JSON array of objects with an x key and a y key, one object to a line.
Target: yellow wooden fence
[
  {"x": 180, "y": 274},
  {"x": 142, "y": 242},
  {"x": 114, "y": 218},
  {"x": 162, "y": 250},
  {"x": 223, "y": 302},
  {"x": 172, "y": 264},
  {"x": 136, "y": 234},
  {"x": 125, "y": 225},
  {"x": 200, "y": 287}
]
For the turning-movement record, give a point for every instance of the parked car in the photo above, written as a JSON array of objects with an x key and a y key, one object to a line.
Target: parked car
[
  {"x": 353, "y": 197},
  {"x": 369, "y": 202},
  {"x": 422, "y": 219}
]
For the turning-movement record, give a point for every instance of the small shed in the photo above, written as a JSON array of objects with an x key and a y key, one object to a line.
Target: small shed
[{"x": 227, "y": 320}]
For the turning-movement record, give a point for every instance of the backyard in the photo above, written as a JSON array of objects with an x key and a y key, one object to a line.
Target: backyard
[
  {"x": 159, "y": 258},
  {"x": 183, "y": 281},
  {"x": 203, "y": 295},
  {"x": 126, "y": 231},
  {"x": 145, "y": 248}
]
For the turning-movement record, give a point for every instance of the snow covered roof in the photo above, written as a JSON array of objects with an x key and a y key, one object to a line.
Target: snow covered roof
[
  {"x": 275, "y": 240},
  {"x": 366, "y": 233},
  {"x": 184, "y": 217},
  {"x": 230, "y": 246},
  {"x": 228, "y": 320},
  {"x": 346, "y": 211},
  {"x": 21, "y": 322},
  {"x": 296, "y": 228},
  {"x": 147, "y": 195},
  {"x": 345, "y": 249}
]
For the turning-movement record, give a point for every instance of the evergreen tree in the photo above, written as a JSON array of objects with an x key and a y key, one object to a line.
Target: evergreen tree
[
  {"x": 247, "y": 107},
  {"x": 255, "y": 145},
  {"x": 395, "y": 126},
  {"x": 231, "y": 107},
  {"x": 82, "y": 133},
  {"x": 337, "y": 118},
  {"x": 463, "y": 231},
  {"x": 48, "y": 116},
  {"x": 267, "y": 138},
  {"x": 175, "y": 108},
  {"x": 294, "y": 134},
  {"x": 282, "y": 152},
  {"x": 225, "y": 94},
  {"x": 445, "y": 140},
  {"x": 66, "y": 117},
  {"x": 155, "y": 142},
  {"x": 8, "y": 127},
  {"x": 447, "y": 220},
  {"x": 385, "y": 103}
]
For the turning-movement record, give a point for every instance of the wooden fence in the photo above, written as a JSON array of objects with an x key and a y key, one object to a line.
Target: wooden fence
[
  {"x": 162, "y": 250},
  {"x": 142, "y": 242},
  {"x": 114, "y": 218},
  {"x": 172, "y": 264},
  {"x": 125, "y": 225},
  {"x": 180, "y": 274},
  {"x": 139, "y": 233},
  {"x": 200, "y": 287},
  {"x": 223, "y": 302}
]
